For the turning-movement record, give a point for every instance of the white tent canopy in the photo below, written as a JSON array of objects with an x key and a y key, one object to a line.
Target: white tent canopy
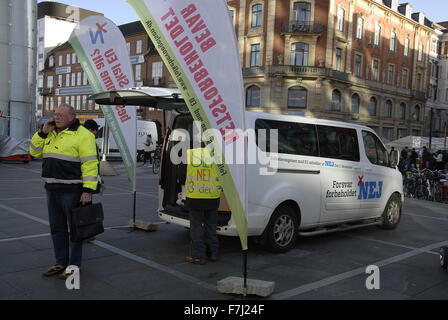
[{"x": 417, "y": 142}]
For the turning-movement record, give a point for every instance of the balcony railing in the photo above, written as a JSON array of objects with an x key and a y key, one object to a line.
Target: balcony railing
[
  {"x": 302, "y": 27},
  {"x": 418, "y": 94},
  {"x": 46, "y": 91},
  {"x": 155, "y": 82},
  {"x": 304, "y": 71}
]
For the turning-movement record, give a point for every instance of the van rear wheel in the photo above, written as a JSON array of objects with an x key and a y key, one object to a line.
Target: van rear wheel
[
  {"x": 392, "y": 213},
  {"x": 282, "y": 231}
]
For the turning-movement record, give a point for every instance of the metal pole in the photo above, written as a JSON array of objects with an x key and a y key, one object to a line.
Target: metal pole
[
  {"x": 430, "y": 129},
  {"x": 444, "y": 143},
  {"x": 245, "y": 272}
]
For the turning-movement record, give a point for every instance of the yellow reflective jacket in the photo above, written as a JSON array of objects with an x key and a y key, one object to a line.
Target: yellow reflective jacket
[
  {"x": 70, "y": 159},
  {"x": 202, "y": 182}
]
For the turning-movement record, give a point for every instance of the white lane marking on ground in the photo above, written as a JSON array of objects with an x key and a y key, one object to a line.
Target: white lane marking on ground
[
  {"x": 104, "y": 195},
  {"x": 20, "y": 168},
  {"x": 20, "y": 180},
  {"x": 390, "y": 244},
  {"x": 128, "y": 255},
  {"x": 43, "y": 235},
  {"x": 353, "y": 273},
  {"x": 23, "y": 214},
  {"x": 154, "y": 265},
  {"x": 26, "y": 237},
  {"x": 428, "y": 217}
]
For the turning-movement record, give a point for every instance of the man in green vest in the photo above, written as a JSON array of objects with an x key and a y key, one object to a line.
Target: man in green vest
[{"x": 203, "y": 192}]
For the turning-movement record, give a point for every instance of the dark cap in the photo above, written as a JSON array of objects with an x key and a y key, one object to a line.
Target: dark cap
[{"x": 91, "y": 125}]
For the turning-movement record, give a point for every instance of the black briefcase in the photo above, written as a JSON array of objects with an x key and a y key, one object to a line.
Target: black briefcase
[{"x": 86, "y": 222}]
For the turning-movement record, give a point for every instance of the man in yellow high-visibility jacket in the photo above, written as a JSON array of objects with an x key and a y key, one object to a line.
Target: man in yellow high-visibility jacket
[
  {"x": 203, "y": 192},
  {"x": 70, "y": 171}
]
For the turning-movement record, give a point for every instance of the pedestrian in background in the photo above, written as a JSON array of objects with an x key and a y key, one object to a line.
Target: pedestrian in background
[
  {"x": 148, "y": 148},
  {"x": 426, "y": 155},
  {"x": 70, "y": 172}
]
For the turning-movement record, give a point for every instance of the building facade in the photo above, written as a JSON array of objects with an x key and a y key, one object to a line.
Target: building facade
[
  {"x": 436, "y": 112},
  {"x": 55, "y": 23},
  {"x": 360, "y": 61},
  {"x": 64, "y": 81}
]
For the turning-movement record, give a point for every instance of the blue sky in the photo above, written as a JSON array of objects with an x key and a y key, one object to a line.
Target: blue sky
[{"x": 121, "y": 12}]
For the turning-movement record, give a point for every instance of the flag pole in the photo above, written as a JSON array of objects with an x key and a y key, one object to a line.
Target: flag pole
[
  {"x": 245, "y": 272},
  {"x": 135, "y": 173}
]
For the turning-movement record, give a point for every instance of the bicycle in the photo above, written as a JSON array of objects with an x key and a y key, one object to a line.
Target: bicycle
[{"x": 156, "y": 159}]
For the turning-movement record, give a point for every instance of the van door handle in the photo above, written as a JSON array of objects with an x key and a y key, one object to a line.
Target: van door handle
[
  {"x": 368, "y": 169},
  {"x": 357, "y": 168}
]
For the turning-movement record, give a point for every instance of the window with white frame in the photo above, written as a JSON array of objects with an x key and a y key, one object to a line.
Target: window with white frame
[
  {"x": 420, "y": 52},
  {"x": 74, "y": 79},
  {"x": 336, "y": 100},
  {"x": 139, "y": 47},
  {"x": 84, "y": 79},
  {"x": 67, "y": 80},
  {"x": 51, "y": 62},
  {"x": 50, "y": 82},
  {"x": 358, "y": 65},
  {"x": 299, "y": 54},
  {"x": 257, "y": 12},
  {"x": 301, "y": 14},
  {"x": 406, "y": 46},
  {"x": 79, "y": 79},
  {"x": 157, "y": 72},
  {"x": 375, "y": 69},
  {"x": 377, "y": 37},
  {"x": 255, "y": 55},
  {"x": 253, "y": 96},
  {"x": 405, "y": 78},
  {"x": 390, "y": 74},
  {"x": 341, "y": 19},
  {"x": 297, "y": 97},
  {"x": 359, "y": 28},
  {"x": 138, "y": 72},
  {"x": 60, "y": 80},
  {"x": 73, "y": 58},
  {"x": 393, "y": 41},
  {"x": 68, "y": 58},
  {"x": 338, "y": 60},
  {"x": 60, "y": 61}
]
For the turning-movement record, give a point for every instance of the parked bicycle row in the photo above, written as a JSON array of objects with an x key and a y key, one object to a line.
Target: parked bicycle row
[{"x": 431, "y": 185}]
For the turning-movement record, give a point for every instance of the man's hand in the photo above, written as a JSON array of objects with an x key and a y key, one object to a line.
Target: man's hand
[
  {"x": 49, "y": 126},
  {"x": 86, "y": 198}
]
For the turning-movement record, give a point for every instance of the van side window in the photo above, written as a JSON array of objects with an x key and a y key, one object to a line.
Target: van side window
[
  {"x": 293, "y": 138},
  {"x": 375, "y": 151},
  {"x": 338, "y": 143}
]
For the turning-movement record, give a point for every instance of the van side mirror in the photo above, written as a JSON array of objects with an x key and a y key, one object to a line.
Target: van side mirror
[{"x": 394, "y": 158}]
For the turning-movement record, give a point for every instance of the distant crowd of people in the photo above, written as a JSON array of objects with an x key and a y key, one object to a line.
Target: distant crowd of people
[{"x": 411, "y": 159}]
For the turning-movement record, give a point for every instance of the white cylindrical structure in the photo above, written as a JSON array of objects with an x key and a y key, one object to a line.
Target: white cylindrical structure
[{"x": 17, "y": 67}]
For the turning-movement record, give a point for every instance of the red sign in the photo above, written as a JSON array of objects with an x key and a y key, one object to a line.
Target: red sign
[{"x": 1, "y": 113}]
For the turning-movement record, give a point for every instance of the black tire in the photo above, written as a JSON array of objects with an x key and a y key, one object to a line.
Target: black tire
[
  {"x": 140, "y": 157},
  {"x": 444, "y": 257},
  {"x": 282, "y": 230},
  {"x": 392, "y": 213},
  {"x": 156, "y": 166}
]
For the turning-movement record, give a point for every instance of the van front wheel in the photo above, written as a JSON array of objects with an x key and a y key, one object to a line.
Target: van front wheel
[
  {"x": 282, "y": 231},
  {"x": 392, "y": 213}
]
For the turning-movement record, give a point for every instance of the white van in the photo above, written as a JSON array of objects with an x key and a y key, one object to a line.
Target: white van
[
  {"x": 143, "y": 128},
  {"x": 331, "y": 176}
]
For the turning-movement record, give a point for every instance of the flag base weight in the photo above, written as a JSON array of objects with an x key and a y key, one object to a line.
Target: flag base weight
[
  {"x": 146, "y": 226},
  {"x": 107, "y": 170},
  {"x": 234, "y": 285}
]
